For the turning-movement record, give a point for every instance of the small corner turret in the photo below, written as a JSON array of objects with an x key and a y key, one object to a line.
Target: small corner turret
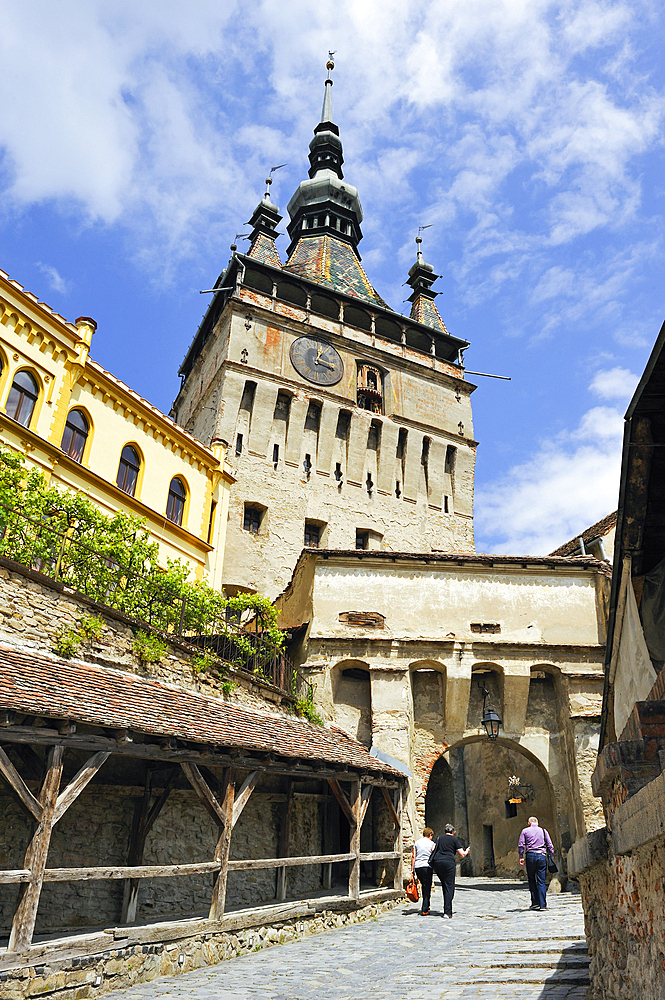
[{"x": 421, "y": 278}]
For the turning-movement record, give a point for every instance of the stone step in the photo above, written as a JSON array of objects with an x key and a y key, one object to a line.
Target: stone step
[{"x": 550, "y": 975}]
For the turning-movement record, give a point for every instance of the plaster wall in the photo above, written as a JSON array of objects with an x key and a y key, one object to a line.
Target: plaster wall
[
  {"x": 55, "y": 354},
  {"x": 442, "y": 601}
]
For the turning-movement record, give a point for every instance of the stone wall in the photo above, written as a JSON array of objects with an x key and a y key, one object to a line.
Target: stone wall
[
  {"x": 625, "y": 925},
  {"x": 34, "y": 609},
  {"x": 122, "y": 967}
]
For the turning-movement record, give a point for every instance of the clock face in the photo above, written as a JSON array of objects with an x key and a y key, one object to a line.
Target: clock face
[{"x": 316, "y": 361}]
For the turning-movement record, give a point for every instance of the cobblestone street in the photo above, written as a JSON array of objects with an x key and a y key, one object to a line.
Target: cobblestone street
[{"x": 493, "y": 941}]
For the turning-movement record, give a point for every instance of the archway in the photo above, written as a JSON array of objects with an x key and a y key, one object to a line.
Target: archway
[{"x": 470, "y": 782}]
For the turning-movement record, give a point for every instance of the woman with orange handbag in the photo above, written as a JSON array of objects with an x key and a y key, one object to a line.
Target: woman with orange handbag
[{"x": 420, "y": 868}]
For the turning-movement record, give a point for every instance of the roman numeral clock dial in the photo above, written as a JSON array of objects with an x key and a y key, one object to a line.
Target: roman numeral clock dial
[{"x": 316, "y": 360}]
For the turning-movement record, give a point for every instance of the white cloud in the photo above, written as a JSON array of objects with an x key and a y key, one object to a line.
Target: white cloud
[
  {"x": 153, "y": 116},
  {"x": 569, "y": 484},
  {"x": 55, "y": 280},
  {"x": 614, "y": 383}
]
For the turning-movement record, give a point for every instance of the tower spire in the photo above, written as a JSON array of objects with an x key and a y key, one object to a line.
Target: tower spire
[
  {"x": 421, "y": 278},
  {"x": 323, "y": 204},
  {"x": 326, "y": 110}
]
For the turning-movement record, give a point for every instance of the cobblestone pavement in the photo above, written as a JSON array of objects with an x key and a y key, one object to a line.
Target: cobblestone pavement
[{"x": 493, "y": 941}]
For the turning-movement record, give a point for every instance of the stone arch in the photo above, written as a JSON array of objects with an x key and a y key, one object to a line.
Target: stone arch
[
  {"x": 482, "y": 814},
  {"x": 428, "y": 692},
  {"x": 490, "y": 674},
  {"x": 352, "y": 698}
]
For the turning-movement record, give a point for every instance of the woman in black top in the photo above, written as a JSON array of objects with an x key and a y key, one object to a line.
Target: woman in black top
[{"x": 443, "y": 860}]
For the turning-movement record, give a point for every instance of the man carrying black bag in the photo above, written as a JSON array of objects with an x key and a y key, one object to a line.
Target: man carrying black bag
[
  {"x": 443, "y": 860},
  {"x": 534, "y": 847}
]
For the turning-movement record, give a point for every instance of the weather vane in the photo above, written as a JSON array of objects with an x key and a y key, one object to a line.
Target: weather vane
[{"x": 269, "y": 179}]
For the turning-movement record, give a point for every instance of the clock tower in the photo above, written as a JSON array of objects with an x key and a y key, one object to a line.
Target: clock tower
[{"x": 348, "y": 424}]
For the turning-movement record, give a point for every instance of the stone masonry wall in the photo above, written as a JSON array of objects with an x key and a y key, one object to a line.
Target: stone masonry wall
[
  {"x": 116, "y": 968},
  {"x": 33, "y": 610},
  {"x": 625, "y": 924}
]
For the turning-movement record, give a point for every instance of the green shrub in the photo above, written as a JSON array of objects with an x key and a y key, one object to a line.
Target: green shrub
[
  {"x": 149, "y": 648},
  {"x": 228, "y": 687},
  {"x": 305, "y": 707},
  {"x": 67, "y": 643},
  {"x": 91, "y": 627},
  {"x": 204, "y": 662},
  {"x": 115, "y": 561}
]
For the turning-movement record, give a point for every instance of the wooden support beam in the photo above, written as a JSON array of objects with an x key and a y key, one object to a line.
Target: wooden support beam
[
  {"x": 342, "y": 799},
  {"x": 19, "y": 787},
  {"x": 284, "y": 838},
  {"x": 378, "y": 855},
  {"x": 144, "y": 818},
  {"x": 399, "y": 838},
  {"x": 41, "y": 736},
  {"x": 354, "y": 846},
  {"x": 204, "y": 792},
  {"x": 78, "y": 783},
  {"x": 218, "y": 901},
  {"x": 321, "y": 859},
  {"x": 364, "y": 802},
  {"x": 23, "y": 925},
  {"x": 117, "y": 872},
  {"x": 391, "y": 807},
  {"x": 242, "y": 798}
]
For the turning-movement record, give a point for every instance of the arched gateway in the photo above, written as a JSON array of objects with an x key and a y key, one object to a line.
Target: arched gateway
[{"x": 469, "y": 787}]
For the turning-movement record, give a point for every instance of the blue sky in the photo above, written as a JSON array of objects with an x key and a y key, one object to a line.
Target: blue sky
[{"x": 135, "y": 138}]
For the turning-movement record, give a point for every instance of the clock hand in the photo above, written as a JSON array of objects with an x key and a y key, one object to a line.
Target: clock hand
[
  {"x": 325, "y": 365},
  {"x": 318, "y": 354}
]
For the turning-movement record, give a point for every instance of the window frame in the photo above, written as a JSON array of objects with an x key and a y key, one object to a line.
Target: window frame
[
  {"x": 139, "y": 457},
  {"x": 182, "y": 500},
  {"x": 23, "y": 395},
  {"x": 76, "y": 431}
]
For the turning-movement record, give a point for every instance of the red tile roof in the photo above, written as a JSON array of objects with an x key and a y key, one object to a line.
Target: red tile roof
[
  {"x": 597, "y": 530},
  {"x": 38, "y": 684}
]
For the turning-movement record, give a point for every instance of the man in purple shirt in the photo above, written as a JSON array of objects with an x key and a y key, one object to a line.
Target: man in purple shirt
[{"x": 533, "y": 847}]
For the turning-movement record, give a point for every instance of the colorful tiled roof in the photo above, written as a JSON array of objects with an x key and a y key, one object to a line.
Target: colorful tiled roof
[
  {"x": 597, "y": 530},
  {"x": 264, "y": 249},
  {"x": 332, "y": 262},
  {"x": 423, "y": 310},
  {"x": 42, "y": 685}
]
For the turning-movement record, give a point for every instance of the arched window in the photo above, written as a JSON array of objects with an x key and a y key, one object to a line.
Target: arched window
[
  {"x": 175, "y": 505},
  {"x": 22, "y": 398},
  {"x": 128, "y": 470},
  {"x": 75, "y": 436}
]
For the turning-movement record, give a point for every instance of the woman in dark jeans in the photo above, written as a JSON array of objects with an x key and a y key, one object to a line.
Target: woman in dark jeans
[{"x": 443, "y": 861}]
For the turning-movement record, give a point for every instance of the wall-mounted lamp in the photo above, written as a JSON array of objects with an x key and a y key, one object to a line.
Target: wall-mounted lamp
[{"x": 490, "y": 719}]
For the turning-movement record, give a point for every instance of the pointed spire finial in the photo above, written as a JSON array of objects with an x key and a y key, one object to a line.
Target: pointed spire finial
[
  {"x": 326, "y": 111},
  {"x": 269, "y": 179}
]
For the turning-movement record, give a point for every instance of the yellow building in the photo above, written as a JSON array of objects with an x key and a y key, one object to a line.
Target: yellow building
[{"x": 88, "y": 431}]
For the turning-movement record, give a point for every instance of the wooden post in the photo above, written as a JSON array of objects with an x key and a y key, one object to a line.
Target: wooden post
[
  {"x": 354, "y": 846},
  {"x": 222, "y": 849},
  {"x": 23, "y": 926},
  {"x": 144, "y": 819},
  {"x": 284, "y": 837},
  {"x": 326, "y": 840},
  {"x": 399, "y": 837}
]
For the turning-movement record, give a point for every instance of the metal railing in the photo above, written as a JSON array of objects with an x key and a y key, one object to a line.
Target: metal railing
[{"x": 51, "y": 545}]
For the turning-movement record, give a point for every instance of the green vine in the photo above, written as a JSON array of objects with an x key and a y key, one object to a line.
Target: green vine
[
  {"x": 306, "y": 708},
  {"x": 149, "y": 648},
  {"x": 114, "y": 560},
  {"x": 66, "y": 643}
]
